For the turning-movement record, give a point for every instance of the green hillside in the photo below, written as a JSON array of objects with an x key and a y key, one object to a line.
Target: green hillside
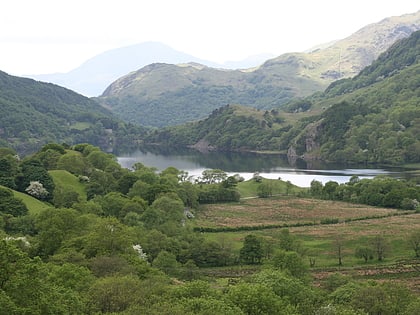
[
  {"x": 65, "y": 181},
  {"x": 34, "y": 113},
  {"x": 34, "y": 205},
  {"x": 373, "y": 117},
  {"x": 232, "y": 127},
  {"x": 165, "y": 95}
]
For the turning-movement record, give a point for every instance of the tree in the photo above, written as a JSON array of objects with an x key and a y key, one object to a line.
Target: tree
[
  {"x": 113, "y": 203},
  {"x": 49, "y": 158},
  {"x": 364, "y": 252},
  {"x": 37, "y": 190},
  {"x": 34, "y": 171},
  {"x": 290, "y": 262},
  {"x": 338, "y": 246},
  {"x": 414, "y": 240},
  {"x": 126, "y": 181},
  {"x": 316, "y": 188},
  {"x": 167, "y": 262},
  {"x": 11, "y": 205},
  {"x": 305, "y": 298},
  {"x": 380, "y": 246},
  {"x": 329, "y": 190},
  {"x": 100, "y": 160},
  {"x": 100, "y": 183},
  {"x": 388, "y": 298},
  {"x": 288, "y": 242},
  {"x": 115, "y": 294},
  {"x": 265, "y": 189},
  {"x": 252, "y": 251},
  {"x": 108, "y": 237},
  {"x": 8, "y": 171},
  {"x": 213, "y": 176},
  {"x": 65, "y": 197},
  {"x": 258, "y": 299},
  {"x": 73, "y": 162},
  {"x": 26, "y": 289},
  {"x": 53, "y": 227}
]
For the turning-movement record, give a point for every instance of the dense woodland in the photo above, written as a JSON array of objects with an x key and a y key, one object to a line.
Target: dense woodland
[
  {"x": 36, "y": 113},
  {"x": 81, "y": 235}
]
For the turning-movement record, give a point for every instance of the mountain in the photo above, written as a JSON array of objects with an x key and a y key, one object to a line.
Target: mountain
[
  {"x": 34, "y": 113},
  {"x": 166, "y": 94},
  {"x": 162, "y": 94},
  {"x": 373, "y": 117},
  {"x": 94, "y": 75}
]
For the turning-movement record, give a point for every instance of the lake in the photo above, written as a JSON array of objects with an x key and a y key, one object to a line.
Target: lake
[{"x": 272, "y": 166}]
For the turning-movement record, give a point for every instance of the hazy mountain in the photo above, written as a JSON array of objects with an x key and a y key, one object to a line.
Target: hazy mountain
[
  {"x": 373, "y": 117},
  {"x": 164, "y": 94},
  {"x": 94, "y": 75}
]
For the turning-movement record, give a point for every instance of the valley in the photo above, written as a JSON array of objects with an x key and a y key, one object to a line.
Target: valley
[{"x": 226, "y": 228}]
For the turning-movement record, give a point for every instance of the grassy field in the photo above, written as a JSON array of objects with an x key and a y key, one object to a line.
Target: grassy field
[
  {"x": 81, "y": 126},
  {"x": 357, "y": 227},
  {"x": 283, "y": 210},
  {"x": 68, "y": 182},
  {"x": 34, "y": 205},
  {"x": 249, "y": 188}
]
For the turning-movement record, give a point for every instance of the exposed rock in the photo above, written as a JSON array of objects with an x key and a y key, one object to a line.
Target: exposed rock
[{"x": 203, "y": 146}]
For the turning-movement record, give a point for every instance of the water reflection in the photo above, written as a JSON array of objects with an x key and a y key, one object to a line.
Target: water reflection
[{"x": 246, "y": 164}]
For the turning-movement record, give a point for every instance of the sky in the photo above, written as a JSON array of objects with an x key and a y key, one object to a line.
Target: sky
[{"x": 48, "y": 36}]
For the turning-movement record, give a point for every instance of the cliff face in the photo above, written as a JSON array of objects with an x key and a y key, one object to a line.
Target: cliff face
[{"x": 307, "y": 144}]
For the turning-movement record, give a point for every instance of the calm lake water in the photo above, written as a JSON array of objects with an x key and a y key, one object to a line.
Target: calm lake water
[{"x": 298, "y": 172}]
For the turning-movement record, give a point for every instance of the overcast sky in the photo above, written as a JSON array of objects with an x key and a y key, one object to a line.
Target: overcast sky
[{"x": 46, "y": 36}]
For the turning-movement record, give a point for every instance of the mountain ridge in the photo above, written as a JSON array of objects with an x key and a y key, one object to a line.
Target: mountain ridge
[
  {"x": 93, "y": 76},
  {"x": 271, "y": 85}
]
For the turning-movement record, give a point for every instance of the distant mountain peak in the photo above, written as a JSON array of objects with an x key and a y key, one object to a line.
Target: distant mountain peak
[{"x": 164, "y": 94}]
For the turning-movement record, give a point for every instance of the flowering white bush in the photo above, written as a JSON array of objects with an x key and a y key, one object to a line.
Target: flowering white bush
[
  {"x": 22, "y": 239},
  {"x": 36, "y": 189},
  {"x": 140, "y": 252}
]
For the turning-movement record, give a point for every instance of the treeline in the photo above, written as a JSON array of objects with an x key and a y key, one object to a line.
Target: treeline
[
  {"x": 229, "y": 128},
  {"x": 380, "y": 191}
]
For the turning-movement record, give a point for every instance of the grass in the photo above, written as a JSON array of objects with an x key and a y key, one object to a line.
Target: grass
[
  {"x": 81, "y": 126},
  {"x": 68, "y": 182},
  {"x": 282, "y": 210},
  {"x": 249, "y": 188},
  {"x": 318, "y": 241},
  {"x": 34, "y": 205}
]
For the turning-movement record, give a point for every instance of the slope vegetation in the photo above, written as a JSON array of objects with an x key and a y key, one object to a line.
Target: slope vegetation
[
  {"x": 33, "y": 113},
  {"x": 373, "y": 117}
]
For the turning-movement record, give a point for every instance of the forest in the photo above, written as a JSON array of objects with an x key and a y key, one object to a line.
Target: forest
[{"x": 79, "y": 234}]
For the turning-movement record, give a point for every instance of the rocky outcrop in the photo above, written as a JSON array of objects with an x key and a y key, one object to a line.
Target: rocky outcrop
[{"x": 203, "y": 146}]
